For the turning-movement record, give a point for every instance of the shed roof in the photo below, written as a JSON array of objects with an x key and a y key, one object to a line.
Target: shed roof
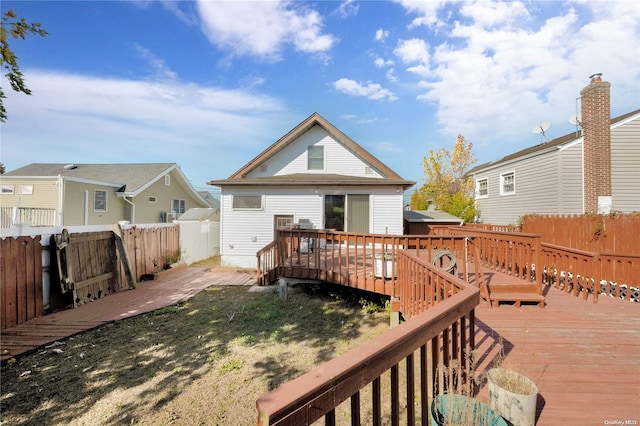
[{"x": 430, "y": 216}]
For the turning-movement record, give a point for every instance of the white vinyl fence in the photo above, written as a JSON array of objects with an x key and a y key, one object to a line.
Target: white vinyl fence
[{"x": 199, "y": 240}]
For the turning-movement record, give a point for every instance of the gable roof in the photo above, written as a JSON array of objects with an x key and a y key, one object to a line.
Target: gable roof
[
  {"x": 540, "y": 148},
  {"x": 315, "y": 119},
  {"x": 131, "y": 178}
]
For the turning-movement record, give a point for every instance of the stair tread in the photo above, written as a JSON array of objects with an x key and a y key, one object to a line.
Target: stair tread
[{"x": 515, "y": 296}]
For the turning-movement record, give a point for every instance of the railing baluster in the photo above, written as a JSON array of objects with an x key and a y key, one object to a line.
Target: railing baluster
[
  {"x": 376, "y": 400},
  {"x": 355, "y": 409},
  {"x": 395, "y": 396},
  {"x": 411, "y": 397}
]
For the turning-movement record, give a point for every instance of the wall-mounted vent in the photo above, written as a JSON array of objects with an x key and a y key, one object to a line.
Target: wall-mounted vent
[{"x": 367, "y": 170}]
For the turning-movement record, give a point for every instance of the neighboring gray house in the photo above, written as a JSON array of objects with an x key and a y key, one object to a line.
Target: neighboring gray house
[
  {"x": 314, "y": 175},
  {"x": 96, "y": 194},
  {"x": 596, "y": 171}
]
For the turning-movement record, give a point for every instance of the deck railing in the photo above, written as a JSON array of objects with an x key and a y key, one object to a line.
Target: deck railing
[
  {"x": 439, "y": 331},
  {"x": 365, "y": 261},
  {"x": 515, "y": 254},
  {"x": 586, "y": 274},
  {"x": 34, "y": 216}
]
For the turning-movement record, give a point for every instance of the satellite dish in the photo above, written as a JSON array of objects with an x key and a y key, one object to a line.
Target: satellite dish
[
  {"x": 575, "y": 120},
  {"x": 541, "y": 129}
]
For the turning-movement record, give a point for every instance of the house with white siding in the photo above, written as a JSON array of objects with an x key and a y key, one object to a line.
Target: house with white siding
[
  {"x": 595, "y": 169},
  {"x": 315, "y": 176}
]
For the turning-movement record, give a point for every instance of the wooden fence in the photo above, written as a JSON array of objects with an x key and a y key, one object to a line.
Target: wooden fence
[
  {"x": 21, "y": 275},
  {"x": 97, "y": 271},
  {"x": 612, "y": 233}
]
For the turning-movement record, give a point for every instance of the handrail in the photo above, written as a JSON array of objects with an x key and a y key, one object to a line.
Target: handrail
[
  {"x": 443, "y": 332},
  {"x": 515, "y": 254},
  {"x": 588, "y": 274}
]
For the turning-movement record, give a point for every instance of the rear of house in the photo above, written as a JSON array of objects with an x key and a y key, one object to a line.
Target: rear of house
[{"x": 313, "y": 177}]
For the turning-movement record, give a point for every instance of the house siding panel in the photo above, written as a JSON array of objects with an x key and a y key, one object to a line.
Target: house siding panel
[
  {"x": 570, "y": 195},
  {"x": 293, "y": 158},
  {"x": 45, "y": 193},
  {"x": 246, "y": 232},
  {"x": 74, "y": 205},
  {"x": 625, "y": 173},
  {"x": 536, "y": 190},
  {"x": 147, "y": 212}
]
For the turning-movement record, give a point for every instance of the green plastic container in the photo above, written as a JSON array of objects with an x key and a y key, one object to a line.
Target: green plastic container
[{"x": 450, "y": 409}]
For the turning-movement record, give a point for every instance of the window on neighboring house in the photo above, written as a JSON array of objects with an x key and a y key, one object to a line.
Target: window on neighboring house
[
  {"x": 99, "y": 200},
  {"x": 167, "y": 180},
  {"x": 26, "y": 189},
  {"x": 482, "y": 188},
  {"x": 315, "y": 158},
  {"x": 507, "y": 183},
  {"x": 247, "y": 202},
  {"x": 7, "y": 189},
  {"x": 178, "y": 207},
  {"x": 153, "y": 199}
]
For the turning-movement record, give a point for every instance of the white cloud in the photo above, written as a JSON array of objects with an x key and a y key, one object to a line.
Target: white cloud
[
  {"x": 162, "y": 70},
  {"x": 347, "y": 8},
  {"x": 428, "y": 11},
  {"x": 381, "y": 63},
  {"x": 369, "y": 90},
  {"x": 416, "y": 52},
  {"x": 505, "y": 68},
  {"x": 381, "y": 35},
  {"x": 263, "y": 28},
  {"x": 80, "y": 118}
]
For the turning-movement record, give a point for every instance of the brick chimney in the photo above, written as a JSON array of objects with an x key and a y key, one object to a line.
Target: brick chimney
[{"x": 596, "y": 126}]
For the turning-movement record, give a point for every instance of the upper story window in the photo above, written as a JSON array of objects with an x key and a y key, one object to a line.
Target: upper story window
[
  {"x": 247, "y": 202},
  {"x": 482, "y": 188},
  {"x": 100, "y": 200},
  {"x": 167, "y": 180},
  {"x": 7, "y": 189},
  {"x": 315, "y": 157},
  {"x": 508, "y": 183},
  {"x": 178, "y": 207}
]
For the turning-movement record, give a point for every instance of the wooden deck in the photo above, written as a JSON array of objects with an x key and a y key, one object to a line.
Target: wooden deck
[
  {"x": 146, "y": 297},
  {"x": 584, "y": 357}
]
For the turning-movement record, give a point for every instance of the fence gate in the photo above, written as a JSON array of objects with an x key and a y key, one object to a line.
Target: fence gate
[{"x": 88, "y": 264}]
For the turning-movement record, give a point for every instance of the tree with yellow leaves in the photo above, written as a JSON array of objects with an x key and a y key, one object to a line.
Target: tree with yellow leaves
[{"x": 446, "y": 186}]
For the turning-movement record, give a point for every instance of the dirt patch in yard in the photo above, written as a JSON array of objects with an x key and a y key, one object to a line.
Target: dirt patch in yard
[{"x": 205, "y": 361}]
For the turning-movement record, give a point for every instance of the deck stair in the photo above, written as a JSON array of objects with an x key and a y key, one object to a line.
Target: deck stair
[{"x": 510, "y": 290}]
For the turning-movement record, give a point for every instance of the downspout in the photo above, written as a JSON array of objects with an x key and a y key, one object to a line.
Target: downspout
[
  {"x": 61, "y": 200},
  {"x": 133, "y": 209},
  {"x": 86, "y": 207}
]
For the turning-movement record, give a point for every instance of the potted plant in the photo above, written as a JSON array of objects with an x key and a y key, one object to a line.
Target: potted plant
[
  {"x": 455, "y": 409},
  {"x": 513, "y": 396},
  {"x": 460, "y": 408}
]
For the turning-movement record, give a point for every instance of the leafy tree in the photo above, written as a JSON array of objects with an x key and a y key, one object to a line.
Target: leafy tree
[
  {"x": 17, "y": 28},
  {"x": 2, "y": 170},
  {"x": 447, "y": 187}
]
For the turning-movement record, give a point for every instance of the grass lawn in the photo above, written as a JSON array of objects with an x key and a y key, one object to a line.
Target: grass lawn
[{"x": 204, "y": 362}]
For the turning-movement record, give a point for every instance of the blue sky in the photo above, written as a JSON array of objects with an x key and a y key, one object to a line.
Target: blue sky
[{"x": 209, "y": 85}]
